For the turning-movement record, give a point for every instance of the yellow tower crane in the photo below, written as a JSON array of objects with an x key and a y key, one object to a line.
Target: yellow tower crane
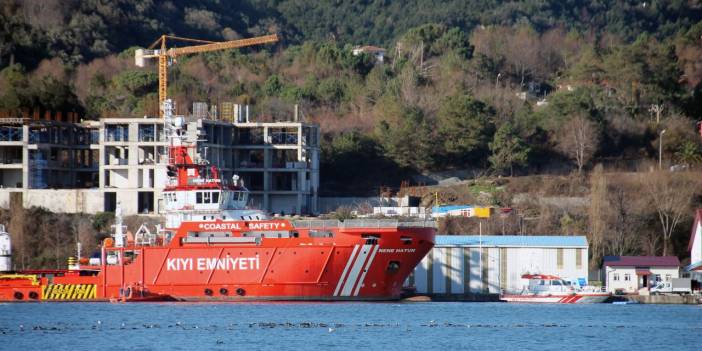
[{"x": 166, "y": 56}]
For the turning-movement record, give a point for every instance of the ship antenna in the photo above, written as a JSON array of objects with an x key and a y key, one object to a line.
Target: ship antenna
[{"x": 119, "y": 235}]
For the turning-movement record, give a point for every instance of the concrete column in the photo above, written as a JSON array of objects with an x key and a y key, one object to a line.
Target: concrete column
[
  {"x": 267, "y": 158},
  {"x": 72, "y": 158},
  {"x": 298, "y": 205},
  {"x": 314, "y": 178},
  {"x": 25, "y": 157},
  {"x": 302, "y": 190},
  {"x": 101, "y": 156},
  {"x": 299, "y": 143},
  {"x": 133, "y": 171},
  {"x": 266, "y": 202}
]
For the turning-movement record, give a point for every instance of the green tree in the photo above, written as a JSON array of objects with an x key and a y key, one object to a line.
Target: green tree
[
  {"x": 508, "y": 150},
  {"x": 273, "y": 85},
  {"x": 15, "y": 91},
  {"x": 465, "y": 125},
  {"x": 563, "y": 105},
  {"x": 408, "y": 141},
  {"x": 136, "y": 82},
  {"x": 689, "y": 153}
]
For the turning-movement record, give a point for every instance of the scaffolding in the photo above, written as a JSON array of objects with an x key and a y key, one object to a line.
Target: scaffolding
[
  {"x": 147, "y": 133},
  {"x": 8, "y": 133},
  {"x": 117, "y": 132}
]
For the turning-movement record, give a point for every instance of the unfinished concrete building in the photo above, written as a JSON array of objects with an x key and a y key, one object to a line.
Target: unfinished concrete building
[
  {"x": 278, "y": 161},
  {"x": 92, "y": 166},
  {"x": 53, "y": 152},
  {"x": 43, "y": 154}
]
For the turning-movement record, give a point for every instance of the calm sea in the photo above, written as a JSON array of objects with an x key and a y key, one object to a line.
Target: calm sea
[{"x": 343, "y": 326}]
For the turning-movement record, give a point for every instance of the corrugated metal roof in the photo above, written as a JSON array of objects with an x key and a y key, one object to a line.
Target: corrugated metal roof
[
  {"x": 512, "y": 240},
  {"x": 449, "y": 208},
  {"x": 641, "y": 261}
]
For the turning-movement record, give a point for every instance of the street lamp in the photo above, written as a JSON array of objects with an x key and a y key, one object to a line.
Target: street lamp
[{"x": 660, "y": 149}]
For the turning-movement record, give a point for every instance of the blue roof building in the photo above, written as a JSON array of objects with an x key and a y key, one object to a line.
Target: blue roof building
[
  {"x": 512, "y": 241},
  {"x": 474, "y": 264}
]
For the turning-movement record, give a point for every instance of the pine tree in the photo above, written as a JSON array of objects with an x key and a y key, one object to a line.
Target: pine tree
[{"x": 508, "y": 150}]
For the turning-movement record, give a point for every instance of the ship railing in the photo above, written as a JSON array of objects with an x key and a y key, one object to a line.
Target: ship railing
[{"x": 363, "y": 223}]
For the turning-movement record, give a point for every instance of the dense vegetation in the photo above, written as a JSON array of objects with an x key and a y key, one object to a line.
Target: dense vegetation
[{"x": 498, "y": 87}]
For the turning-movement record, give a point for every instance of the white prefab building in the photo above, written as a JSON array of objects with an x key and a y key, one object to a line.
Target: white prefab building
[
  {"x": 471, "y": 264},
  {"x": 636, "y": 274}
]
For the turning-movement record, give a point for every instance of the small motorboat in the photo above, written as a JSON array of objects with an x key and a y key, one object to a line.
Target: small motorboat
[{"x": 544, "y": 288}]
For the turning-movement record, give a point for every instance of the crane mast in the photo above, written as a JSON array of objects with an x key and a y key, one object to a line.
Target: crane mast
[{"x": 166, "y": 55}]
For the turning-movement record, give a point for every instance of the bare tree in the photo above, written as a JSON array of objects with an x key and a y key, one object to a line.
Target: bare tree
[
  {"x": 578, "y": 139},
  {"x": 671, "y": 195},
  {"x": 16, "y": 230},
  {"x": 623, "y": 224},
  {"x": 597, "y": 213}
]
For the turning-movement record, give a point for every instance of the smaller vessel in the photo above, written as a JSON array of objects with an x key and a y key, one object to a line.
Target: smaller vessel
[{"x": 544, "y": 288}]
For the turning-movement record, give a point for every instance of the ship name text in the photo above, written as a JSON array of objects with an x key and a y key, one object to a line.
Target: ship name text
[
  {"x": 400, "y": 250},
  {"x": 213, "y": 263}
]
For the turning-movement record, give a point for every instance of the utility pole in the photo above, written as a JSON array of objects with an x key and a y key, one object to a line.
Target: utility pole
[
  {"x": 660, "y": 149},
  {"x": 480, "y": 253}
]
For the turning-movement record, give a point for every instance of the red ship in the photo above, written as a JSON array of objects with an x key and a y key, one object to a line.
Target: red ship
[{"x": 214, "y": 248}]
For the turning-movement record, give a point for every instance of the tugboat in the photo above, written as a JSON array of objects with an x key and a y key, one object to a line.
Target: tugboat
[
  {"x": 545, "y": 288},
  {"x": 214, "y": 248}
]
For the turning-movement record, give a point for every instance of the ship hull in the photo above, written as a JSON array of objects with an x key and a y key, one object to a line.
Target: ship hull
[
  {"x": 350, "y": 264},
  {"x": 568, "y": 299}
]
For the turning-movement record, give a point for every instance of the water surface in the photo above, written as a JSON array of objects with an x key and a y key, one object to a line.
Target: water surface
[{"x": 341, "y": 326}]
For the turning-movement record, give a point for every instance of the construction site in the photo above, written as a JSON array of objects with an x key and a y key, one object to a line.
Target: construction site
[{"x": 61, "y": 162}]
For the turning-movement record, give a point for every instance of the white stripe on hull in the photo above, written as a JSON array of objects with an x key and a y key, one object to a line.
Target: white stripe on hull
[
  {"x": 374, "y": 250},
  {"x": 346, "y": 269},
  {"x": 355, "y": 270}
]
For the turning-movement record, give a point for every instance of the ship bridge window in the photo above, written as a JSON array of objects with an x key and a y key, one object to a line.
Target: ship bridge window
[
  {"x": 556, "y": 282},
  {"x": 239, "y": 196},
  {"x": 198, "y": 197},
  {"x": 215, "y": 197},
  {"x": 170, "y": 197},
  {"x": 207, "y": 197},
  {"x": 320, "y": 234}
]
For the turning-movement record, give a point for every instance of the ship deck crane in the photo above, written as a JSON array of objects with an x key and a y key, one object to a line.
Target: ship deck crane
[{"x": 166, "y": 55}]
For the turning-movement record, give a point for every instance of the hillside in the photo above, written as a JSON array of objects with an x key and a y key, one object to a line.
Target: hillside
[{"x": 489, "y": 88}]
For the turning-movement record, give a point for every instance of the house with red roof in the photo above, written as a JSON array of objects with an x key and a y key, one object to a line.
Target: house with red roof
[{"x": 636, "y": 274}]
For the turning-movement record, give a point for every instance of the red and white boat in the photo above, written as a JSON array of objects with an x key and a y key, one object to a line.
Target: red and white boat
[
  {"x": 544, "y": 288},
  {"x": 214, "y": 248}
]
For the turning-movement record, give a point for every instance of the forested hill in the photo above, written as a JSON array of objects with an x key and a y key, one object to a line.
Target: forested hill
[
  {"x": 80, "y": 30},
  {"x": 496, "y": 86}
]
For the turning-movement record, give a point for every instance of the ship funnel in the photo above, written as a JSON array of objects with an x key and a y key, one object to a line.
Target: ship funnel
[{"x": 5, "y": 250}]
